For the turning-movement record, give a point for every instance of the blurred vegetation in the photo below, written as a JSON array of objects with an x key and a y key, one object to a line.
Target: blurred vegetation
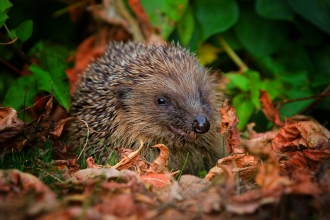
[{"x": 280, "y": 46}]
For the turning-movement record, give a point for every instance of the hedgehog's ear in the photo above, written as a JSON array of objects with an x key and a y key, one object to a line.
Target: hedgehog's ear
[{"x": 122, "y": 93}]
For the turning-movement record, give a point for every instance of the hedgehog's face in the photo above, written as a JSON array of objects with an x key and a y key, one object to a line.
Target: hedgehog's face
[{"x": 165, "y": 107}]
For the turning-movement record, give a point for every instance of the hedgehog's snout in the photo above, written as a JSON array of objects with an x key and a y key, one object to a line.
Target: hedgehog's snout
[{"x": 201, "y": 125}]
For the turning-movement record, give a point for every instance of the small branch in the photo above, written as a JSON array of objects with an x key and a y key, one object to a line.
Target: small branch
[
  {"x": 10, "y": 66},
  {"x": 17, "y": 51},
  {"x": 317, "y": 101},
  {"x": 302, "y": 99},
  {"x": 233, "y": 56},
  {"x": 69, "y": 8}
]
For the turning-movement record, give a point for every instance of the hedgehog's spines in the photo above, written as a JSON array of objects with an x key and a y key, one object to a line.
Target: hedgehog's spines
[{"x": 118, "y": 95}]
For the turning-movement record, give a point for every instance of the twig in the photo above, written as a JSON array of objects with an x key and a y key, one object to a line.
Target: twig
[
  {"x": 317, "y": 101},
  {"x": 83, "y": 149},
  {"x": 7, "y": 29},
  {"x": 302, "y": 99},
  {"x": 231, "y": 53},
  {"x": 69, "y": 8},
  {"x": 17, "y": 51},
  {"x": 48, "y": 174},
  {"x": 10, "y": 66}
]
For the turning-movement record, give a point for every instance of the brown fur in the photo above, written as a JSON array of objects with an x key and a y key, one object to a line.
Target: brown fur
[{"x": 117, "y": 97}]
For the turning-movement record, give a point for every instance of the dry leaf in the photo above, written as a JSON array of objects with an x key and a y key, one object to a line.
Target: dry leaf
[
  {"x": 23, "y": 192},
  {"x": 302, "y": 134},
  {"x": 268, "y": 109},
  {"x": 228, "y": 127},
  {"x": 128, "y": 161}
]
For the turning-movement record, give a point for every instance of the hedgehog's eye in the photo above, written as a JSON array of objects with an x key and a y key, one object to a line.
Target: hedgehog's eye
[{"x": 161, "y": 101}]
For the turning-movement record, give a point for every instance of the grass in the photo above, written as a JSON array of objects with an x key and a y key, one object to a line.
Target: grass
[{"x": 34, "y": 160}]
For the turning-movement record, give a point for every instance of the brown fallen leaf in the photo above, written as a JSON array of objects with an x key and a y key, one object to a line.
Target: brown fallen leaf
[
  {"x": 24, "y": 192},
  {"x": 128, "y": 161},
  {"x": 243, "y": 165},
  {"x": 228, "y": 127},
  {"x": 269, "y": 110},
  {"x": 160, "y": 164},
  {"x": 91, "y": 163},
  {"x": 302, "y": 134},
  {"x": 10, "y": 125},
  {"x": 91, "y": 48}
]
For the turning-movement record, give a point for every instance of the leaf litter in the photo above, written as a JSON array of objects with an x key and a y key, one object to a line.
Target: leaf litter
[{"x": 290, "y": 162}]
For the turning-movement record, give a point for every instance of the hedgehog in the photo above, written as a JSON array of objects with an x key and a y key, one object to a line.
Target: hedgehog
[{"x": 150, "y": 93}]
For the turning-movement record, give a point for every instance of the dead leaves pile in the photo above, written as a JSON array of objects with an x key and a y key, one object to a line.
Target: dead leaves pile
[{"x": 283, "y": 173}]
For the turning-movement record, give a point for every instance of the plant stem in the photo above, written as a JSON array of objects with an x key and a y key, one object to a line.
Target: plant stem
[
  {"x": 17, "y": 51},
  {"x": 233, "y": 56},
  {"x": 317, "y": 101}
]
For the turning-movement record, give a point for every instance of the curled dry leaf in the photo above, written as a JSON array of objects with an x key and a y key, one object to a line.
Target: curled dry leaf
[
  {"x": 10, "y": 125},
  {"x": 56, "y": 133},
  {"x": 303, "y": 146},
  {"x": 91, "y": 163},
  {"x": 246, "y": 166},
  {"x": 228, "y": 127},
  {"x": 160, "y": 164},
  {"x": 268, "y": 109},
  {"x": 305, "y": 134},
  {"x": 128, "y": 161},
  {"x": 49, "y": 105},
  {"x": 229, "y": 117}
]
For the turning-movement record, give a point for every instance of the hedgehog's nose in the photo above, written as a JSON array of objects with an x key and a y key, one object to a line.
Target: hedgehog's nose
[{"x": 201, "y": 125}]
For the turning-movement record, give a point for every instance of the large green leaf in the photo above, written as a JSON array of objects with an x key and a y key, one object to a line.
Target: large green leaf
[
  {"x": 5, "y": 5},
  {"x": 54, "y": 79},
  {"x": 274, "y": 9},
  {"x": 186, "y": 26},
  {"x": 24, "y": 30},
  {"x": 216, "y": 16},
  {"x": 163, "y": 14},
  {"x": 316, "y": 12},
  {"x": 24, "y": 89},
  {"x": 259, "y": 36}
]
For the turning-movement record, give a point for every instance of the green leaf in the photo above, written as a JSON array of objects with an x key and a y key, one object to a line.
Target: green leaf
[
  {"x": 240, "y": 81},
  {"x": 54, "y": 79},
  {"x": 316, "y": 12},
  {"x": 274, "y": 9},
  {"x": 294, "y": 57},
  {"x": 255, "y": 85},
  {"x": 244, "y": 109},
  {"x": 294, "y": 108},
  {"x": 24, "y": 30},
  {"x": 163, "y": 14},
  {"x": 43, "y": 78},
  {"x": 259, "y": 36},
  {"x": 5, "y": 5},
  {"x": 216, "y": 16},
  {"x": 274, "y": 87},
  {"x": 3, "y": 18},
  {"x": 186, "y": 26},
  {"x": 15, "y": 95}
]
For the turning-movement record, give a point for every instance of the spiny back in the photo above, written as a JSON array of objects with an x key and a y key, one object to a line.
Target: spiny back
[{"x": 154, "y": 93}]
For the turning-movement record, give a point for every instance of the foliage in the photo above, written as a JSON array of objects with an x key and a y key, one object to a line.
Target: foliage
[{"x": 283, "y": 44}]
